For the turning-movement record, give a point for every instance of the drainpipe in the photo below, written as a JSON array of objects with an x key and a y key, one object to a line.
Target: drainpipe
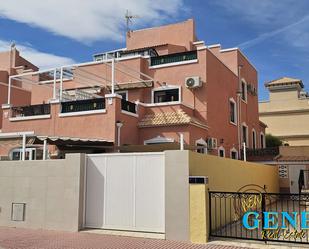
[
  {"x": 245, "y": 152},
  {"x": 239, "y": 108},
  {"x": 119, "y": 124}
]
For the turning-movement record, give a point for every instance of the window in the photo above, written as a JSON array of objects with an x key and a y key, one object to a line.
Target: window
[
  {"x": 244, "y": 132},
  {"x": 234, "y": 154},
  {"x": 201, "y": 146},
  {"x": 253, "y": 139},
  {"x": 262, "y": 138},
  {"x": 124, "y": 94},
  {"x": 243, "y": 91},
  {"x": 30, "y": 154},
  {"x": 221, "y": 152},
  {"x": 166, "y": 95},
  {"x": 233, "y": 116}
]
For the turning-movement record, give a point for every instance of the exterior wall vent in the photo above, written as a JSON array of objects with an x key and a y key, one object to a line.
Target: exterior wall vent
[{"x": 18, "y": 211}]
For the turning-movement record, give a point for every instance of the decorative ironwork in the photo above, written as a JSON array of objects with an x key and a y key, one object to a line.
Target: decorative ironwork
[
  {"x": 31, "y": 110},
  {"x": 83, "y": 105},
  {"x": 261, "y": 154},
  {"x": 128, "y": 106},
  {"x": 171, "y": 58},
  {"x": 226, "y": 210}
]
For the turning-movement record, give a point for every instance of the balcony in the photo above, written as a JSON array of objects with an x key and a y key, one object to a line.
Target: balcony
[
  {"x": 265, "y": 154},
  {"x": 83, "y": 105},
  {"x": 30, "y": 111},
  {"x": 128, "y": 106},
  {"x": 173, "y": 58}
]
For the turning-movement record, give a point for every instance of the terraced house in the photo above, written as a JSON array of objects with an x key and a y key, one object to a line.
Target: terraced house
[{"x": 165, "y": 88}]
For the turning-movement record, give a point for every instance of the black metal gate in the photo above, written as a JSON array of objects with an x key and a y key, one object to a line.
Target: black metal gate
[{"x": 226, "y": 210}]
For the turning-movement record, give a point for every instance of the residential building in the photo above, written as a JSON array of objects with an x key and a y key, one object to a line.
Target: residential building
[
  {"x": 165, "y": 88},
  {"x": 286, "y": 113}
]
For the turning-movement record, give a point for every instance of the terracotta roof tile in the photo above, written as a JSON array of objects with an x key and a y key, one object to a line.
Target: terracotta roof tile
[
  {"x": 281, "y": 158},
  {"x": 178, "y": 117},
  {"x": 284, "y": 81}
]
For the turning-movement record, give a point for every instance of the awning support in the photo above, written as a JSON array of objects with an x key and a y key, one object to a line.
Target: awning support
[
  {"x": 44, "y": 149},
  {"x": 24, "y": 148}
]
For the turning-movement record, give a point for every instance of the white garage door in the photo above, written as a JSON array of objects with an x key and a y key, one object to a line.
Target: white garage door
[{"x": 125, "y": 192}]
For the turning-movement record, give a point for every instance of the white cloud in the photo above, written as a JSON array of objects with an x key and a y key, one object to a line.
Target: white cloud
[
  {"x": 88, "y": 21},
  {"x": 40, "y": 59}
]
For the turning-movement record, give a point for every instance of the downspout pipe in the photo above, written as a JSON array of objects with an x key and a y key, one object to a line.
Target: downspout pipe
[{"x": 239, "y": 91}]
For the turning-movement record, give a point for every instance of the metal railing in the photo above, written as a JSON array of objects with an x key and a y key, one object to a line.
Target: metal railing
[
  {"x": 264, "y": 154},
  {"x": 31, "y": 110},
  {"x": 171, "y": 58},
  {"x": 227, "y": 210},
  {"x": 128, "y": 106},
  {"x": 83, "y": 105}
]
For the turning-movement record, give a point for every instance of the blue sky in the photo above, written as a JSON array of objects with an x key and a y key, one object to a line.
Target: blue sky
[{"x": 273, "y": 34}]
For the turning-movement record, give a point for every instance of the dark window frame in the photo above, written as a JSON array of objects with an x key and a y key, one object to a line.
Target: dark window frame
[{"x": 160, "y": 96}]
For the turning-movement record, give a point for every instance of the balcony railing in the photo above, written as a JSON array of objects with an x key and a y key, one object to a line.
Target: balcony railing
[
  {"x": 171, "y": 58},
  {"x": 31, "y": 110},
  {"x": 128, "y": 106},
  {"x": 265, "y": 154},
  {"x": 83, "y": 105}
]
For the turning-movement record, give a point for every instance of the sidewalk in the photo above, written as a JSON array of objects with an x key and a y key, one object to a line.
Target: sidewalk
[{"x": 27, "y": 238}]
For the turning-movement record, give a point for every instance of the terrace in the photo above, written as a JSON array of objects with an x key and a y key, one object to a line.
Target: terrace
[
  {"x": 31, "y": 110},
  {"x": 79, "y": 107},
  {"x": 173, "y": 58}
]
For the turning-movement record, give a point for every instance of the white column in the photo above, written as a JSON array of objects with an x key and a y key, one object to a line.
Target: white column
[
  {"x": 44, "y": 149},
  {"x": 24, "y": 148},
  {"x": 181, "y": 141},
  {"x": 113, "y": 76},
  {"x": 9, "y": 90},
  {"x": 245, "y": 153},
  {"x": 54, "y": 90},
  {"x": 119, "y": 125},
  {"x": 61, "y": 83}
]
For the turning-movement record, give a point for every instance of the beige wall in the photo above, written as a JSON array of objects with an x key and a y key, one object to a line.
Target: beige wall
[
  {"x": 51, "y": 190},
  {"x": 187, "y": 206},
  {"x": 282, "y": 112},
  {"x": 231, "y": 175},
  {"x": 284, "y": 126},
  {"x": 198, "y": 213}
]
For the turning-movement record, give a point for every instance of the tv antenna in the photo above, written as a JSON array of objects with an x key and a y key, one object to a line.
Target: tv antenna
[{"x": 129, "y": 17}]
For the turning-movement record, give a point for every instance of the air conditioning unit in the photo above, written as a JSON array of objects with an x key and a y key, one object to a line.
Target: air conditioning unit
[
  {"x": 212, "y": 143},
  {"x": 193, "y": 82}
]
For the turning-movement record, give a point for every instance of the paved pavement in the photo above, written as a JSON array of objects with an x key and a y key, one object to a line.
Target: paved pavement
[{"x": 35, "y": 239}]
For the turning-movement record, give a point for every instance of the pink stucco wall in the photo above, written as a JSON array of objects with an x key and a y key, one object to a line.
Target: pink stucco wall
[
  {"x": 182, "y": 34},
  {"x": 218, "y": 71}
]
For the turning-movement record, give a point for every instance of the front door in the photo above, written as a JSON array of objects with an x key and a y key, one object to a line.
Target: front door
[{"x": 294, "y": 171}]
